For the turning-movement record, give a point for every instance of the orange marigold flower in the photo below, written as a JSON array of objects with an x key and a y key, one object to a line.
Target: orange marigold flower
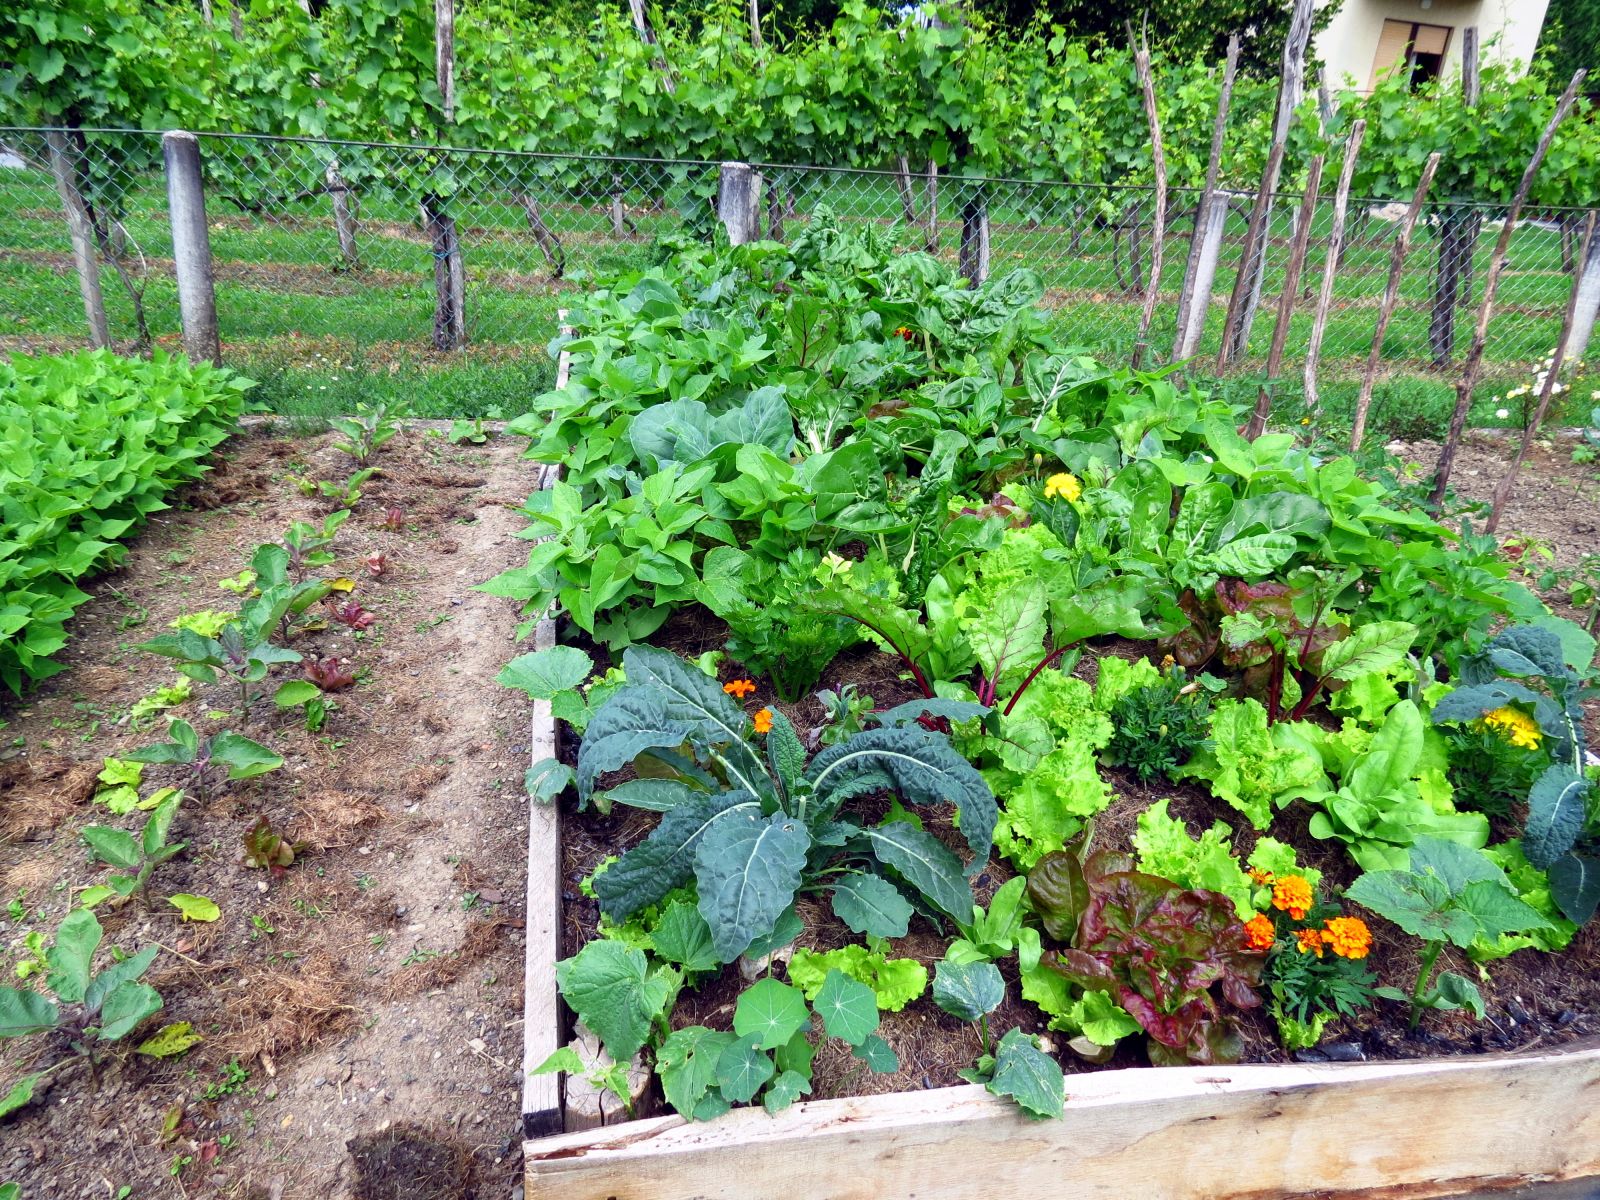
[
  {"x": 1258, "y": 933},
  {"x": 1259, "y": 877},
  {"x": 763, "y": 721},
  {"x": 1292, "y": 894},
  {"x": 1348, "y": 937},
  {"x": 739, "y": 688},
  {"x": 1311, "y": 941},
  {"x": 906, "y": 333}
]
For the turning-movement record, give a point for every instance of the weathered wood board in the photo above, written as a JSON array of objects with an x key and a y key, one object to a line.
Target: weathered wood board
[{"x": 1414, "y": 1129}]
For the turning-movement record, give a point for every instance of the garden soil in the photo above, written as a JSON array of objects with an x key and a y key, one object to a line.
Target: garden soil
[{"x": 362, "y": 1010}]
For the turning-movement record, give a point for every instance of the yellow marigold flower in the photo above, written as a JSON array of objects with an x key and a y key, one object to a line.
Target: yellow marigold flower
[
  {"x": 763, "y": 721},
  {"x": 1516, "y": 726},
  {"x": 739, "y": 688},
  {"x": 1311, "y": 941},
  {"x": 1064, "y": 485},
  {"x": 1348, "y": 937},
  {"x": 1258, "y": 933},
  {"x": 1292, "y": 894}
]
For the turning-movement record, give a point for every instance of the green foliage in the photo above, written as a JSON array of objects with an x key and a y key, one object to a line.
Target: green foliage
[
  {"x": 137, "y": 856},
  {"x": 1157, "y": 728},
  {"x": 366, "y": 432},
  {"x": 895, "y": 982},
  {"x": 1155, "y": 947},
  {"x": 1249, "y": 765},
  {"x": 1164, "y": 848},
  {"x": 1562, "y": 831},
  {"x": 1445, "y": 893},
  {"x": 90, "y": 1008},
  {"x": 222, "y": 756},
  {"x": 91, "y": 445},
  {"x": 751, "y": 832}
]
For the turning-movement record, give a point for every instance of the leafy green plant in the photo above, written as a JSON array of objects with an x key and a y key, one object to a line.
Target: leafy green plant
[
  {"x": 1157, "y": 728},
  {"x": 366, "y": 432},
  {"x": 89, "y": 1008},
  {"x": 1562, "y": 831},
  {"x": 224, "y": 756},
  {"x": 138, "y": 856},
  {"x": 753, "y": 830},
  {"x": 307, "y": 547},
  {"x": 1249, "y": 764},
  {"x": 1445, "y": 893},
  {"x": 1155, "y": 947},
  {"x": 895, "y": 982},
  {"x": 1015, "y": 1067},
  {"x": 93, "y": 443}
]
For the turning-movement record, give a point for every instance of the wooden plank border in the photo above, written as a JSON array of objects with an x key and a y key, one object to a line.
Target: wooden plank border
[
  {"x": 541, "y": 1004},
  {"x": 1391, "y": 1129}
]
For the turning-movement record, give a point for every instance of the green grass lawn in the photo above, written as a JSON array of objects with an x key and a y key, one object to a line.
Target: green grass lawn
[{"x": 320, "y": 335}]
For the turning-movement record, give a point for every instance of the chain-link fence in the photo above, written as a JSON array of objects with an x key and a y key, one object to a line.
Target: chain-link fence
[{"x": 315, "y": 241}]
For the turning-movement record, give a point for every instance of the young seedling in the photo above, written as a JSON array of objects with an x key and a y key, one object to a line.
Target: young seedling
[
  {"x": 266, "y": 850},
  {"x": 222, "y": 756},
  {"x": 89, "y": 1009},
  {"x": 138, "y": 856},
  {"x": 363, "y": 434},
  {"x": 307, "y": 544},
  {"x": 1014, "y": 1067},
  {"x": 347, "y": 494}
]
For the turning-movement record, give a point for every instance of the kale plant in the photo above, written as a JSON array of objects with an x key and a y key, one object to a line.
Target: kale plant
[{"x": 753, "y": 830}]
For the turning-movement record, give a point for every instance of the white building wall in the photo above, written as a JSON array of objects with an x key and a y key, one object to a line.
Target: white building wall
[{"x": 1508, "y": 30}]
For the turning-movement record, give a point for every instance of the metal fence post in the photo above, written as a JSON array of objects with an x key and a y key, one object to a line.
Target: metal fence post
[
  {"x": 739, "y": 202},
  {"x": 191, "y": 246},
  {"x": 82, "y": 231}
]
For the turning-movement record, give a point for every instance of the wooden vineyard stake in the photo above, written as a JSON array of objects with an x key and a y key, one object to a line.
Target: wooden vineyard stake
[
  {"x": 1497, "y": 264},
  {"x": 1391, "y": 297},
  {"x": 1502, "y": 491},
  {"x": 1141, "y": 59},
  {"x": 1194, "y": 297},
  {"x": 1286, "y": 298},
  {"x": 1330, "y": 267}
]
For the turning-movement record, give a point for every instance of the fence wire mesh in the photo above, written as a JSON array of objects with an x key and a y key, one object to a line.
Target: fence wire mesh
[{"x": 335, "y": 242}]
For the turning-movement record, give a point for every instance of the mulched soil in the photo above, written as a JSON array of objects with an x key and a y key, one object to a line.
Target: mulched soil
[{"x": 362, "y": 1010}]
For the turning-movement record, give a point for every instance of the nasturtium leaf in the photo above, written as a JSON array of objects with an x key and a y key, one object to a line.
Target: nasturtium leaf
[
  {"x": 877, "y": 1054},
  {"x": 968, "y": 990},
  {"x": 771, "y": 1012},
  {"x": 612, "y": 990},
  {"x": 1028, "y": 1075},
  {"x": 23, "y": 1012},
  {"x": 683, "y": 938},
  {"x": 741, "y": 1070},
  {"x": 848, "y": 1009},
  {"x": 871, "y": 905},
  {"x": 194, "y": 908},
  {"x": 170, "y": 1040},
  {"x": 788, "y": 1087}
]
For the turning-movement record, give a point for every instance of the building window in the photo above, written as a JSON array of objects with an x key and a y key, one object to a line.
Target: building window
[{"x": 1412, "y": 47}]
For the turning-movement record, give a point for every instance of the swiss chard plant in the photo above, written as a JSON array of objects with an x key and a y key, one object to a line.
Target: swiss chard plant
[
  {"x": 1522, "y": 687},
  {"x": 753, "y": 829},
  {"x": 1155, "y": 947}
]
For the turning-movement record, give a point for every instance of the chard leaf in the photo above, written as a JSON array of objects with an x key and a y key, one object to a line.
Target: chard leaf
[
  {"x": 747, "y": 871},
  {"x": 1376, "y": 646},
  {"x": 926, "y": 863}
]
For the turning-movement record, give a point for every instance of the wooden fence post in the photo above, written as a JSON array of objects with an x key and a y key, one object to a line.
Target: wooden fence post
[
  {"x": 1547, "y": 391},
  {"x": 449, "y": 271},
  {"x": 1330, "y": 264},
  {"x": 1391, "y": 297},
  {"x": 81, "y": 229},
  {"x": 1497, "y": 263},
  {"x": 973, "y": 255},
  {"x": 1200, "y": 271},
  {"x": 191, "y": 246},
  {"x": 930, "y": 233},
  {"x": 1236, "y": 328},
  {"x": 344, "y": 215},
  {"x": 739, "y": 202}
]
